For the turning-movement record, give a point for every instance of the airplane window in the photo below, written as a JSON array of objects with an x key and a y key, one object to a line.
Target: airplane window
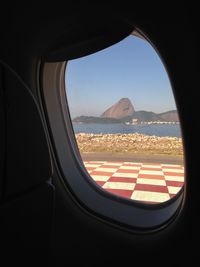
[{"x": 125, "y": 121}]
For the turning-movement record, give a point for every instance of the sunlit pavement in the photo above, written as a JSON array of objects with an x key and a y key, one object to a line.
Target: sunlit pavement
[{"x": 146, "y": 182}]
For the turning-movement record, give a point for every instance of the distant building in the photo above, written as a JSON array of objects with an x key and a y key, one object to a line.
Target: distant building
[{"x": 135, "y": 121}]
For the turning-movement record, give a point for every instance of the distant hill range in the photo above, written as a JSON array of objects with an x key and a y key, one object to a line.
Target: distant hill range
[{"x": 124, "y": 112}]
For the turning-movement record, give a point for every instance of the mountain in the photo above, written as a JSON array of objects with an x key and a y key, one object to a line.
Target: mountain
[
  {"x": 92, "y": 119},
  {"x": 171, "y": 115},
  {"x": 143, "y": 115},
  {"x": 123, "y": 111},
  {"x": 147, "y": 116},
  {"x": 123, "y": 108}
]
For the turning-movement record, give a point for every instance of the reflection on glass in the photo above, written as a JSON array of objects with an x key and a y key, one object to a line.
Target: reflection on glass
[{"x": 126, "y": 122}]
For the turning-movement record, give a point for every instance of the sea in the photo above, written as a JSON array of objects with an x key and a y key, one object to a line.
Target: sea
[{"x": 172, "y": 130}]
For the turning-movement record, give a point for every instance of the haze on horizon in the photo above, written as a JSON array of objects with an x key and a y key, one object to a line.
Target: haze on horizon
[{"x": 129, "y": 69}]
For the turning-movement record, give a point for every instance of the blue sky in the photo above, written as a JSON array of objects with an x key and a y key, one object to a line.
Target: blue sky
[{"x": 130, "y": 68}]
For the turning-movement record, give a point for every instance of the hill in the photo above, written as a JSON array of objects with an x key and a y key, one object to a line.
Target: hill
[
  {"x": 141, "y": 116},
  {"x": 119, "y": 110},
  {"x": 92, "y": 119},
  {"x": 146, "y": 116},
  {"x": 171, "y": 115},
  {"x": 123, "y": 111}
]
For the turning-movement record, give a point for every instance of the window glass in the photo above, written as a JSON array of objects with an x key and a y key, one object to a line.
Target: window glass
[{"x": 125, "y": 121}]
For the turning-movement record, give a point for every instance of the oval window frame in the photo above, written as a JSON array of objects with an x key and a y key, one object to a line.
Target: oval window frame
[{"x": 131, "y": 214}]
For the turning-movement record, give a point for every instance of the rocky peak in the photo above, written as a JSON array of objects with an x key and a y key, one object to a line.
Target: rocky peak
[{"x": 123, "y": 108}]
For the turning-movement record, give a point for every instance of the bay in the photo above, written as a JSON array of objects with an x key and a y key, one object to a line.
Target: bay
[{"x": 172, "y": 130}]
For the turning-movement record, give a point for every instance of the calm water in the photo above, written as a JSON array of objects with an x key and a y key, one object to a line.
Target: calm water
[{"x": 153, "y": 129}]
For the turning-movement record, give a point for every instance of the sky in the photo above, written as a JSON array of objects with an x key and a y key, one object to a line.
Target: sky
[{"x": 130, "y": 68}]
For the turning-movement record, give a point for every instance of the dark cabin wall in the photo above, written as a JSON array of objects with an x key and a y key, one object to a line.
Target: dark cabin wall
[{"x": 28, "y": 33}]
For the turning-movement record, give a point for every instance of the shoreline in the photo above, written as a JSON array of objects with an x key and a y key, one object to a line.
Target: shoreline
[{"x": 129, "y": 144}]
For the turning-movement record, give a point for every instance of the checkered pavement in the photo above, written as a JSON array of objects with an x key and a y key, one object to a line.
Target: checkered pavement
[{"x": 146, "y": 182}]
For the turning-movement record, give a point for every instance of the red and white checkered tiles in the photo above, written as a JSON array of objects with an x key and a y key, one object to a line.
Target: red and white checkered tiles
[{"x": 146, "y": 182}]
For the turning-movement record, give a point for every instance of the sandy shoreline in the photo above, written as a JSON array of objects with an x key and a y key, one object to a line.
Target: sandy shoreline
[{"x": 129, "y": 143}]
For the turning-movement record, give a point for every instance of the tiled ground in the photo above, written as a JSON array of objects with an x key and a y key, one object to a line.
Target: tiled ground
[{"x": 151, "y": 183}]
